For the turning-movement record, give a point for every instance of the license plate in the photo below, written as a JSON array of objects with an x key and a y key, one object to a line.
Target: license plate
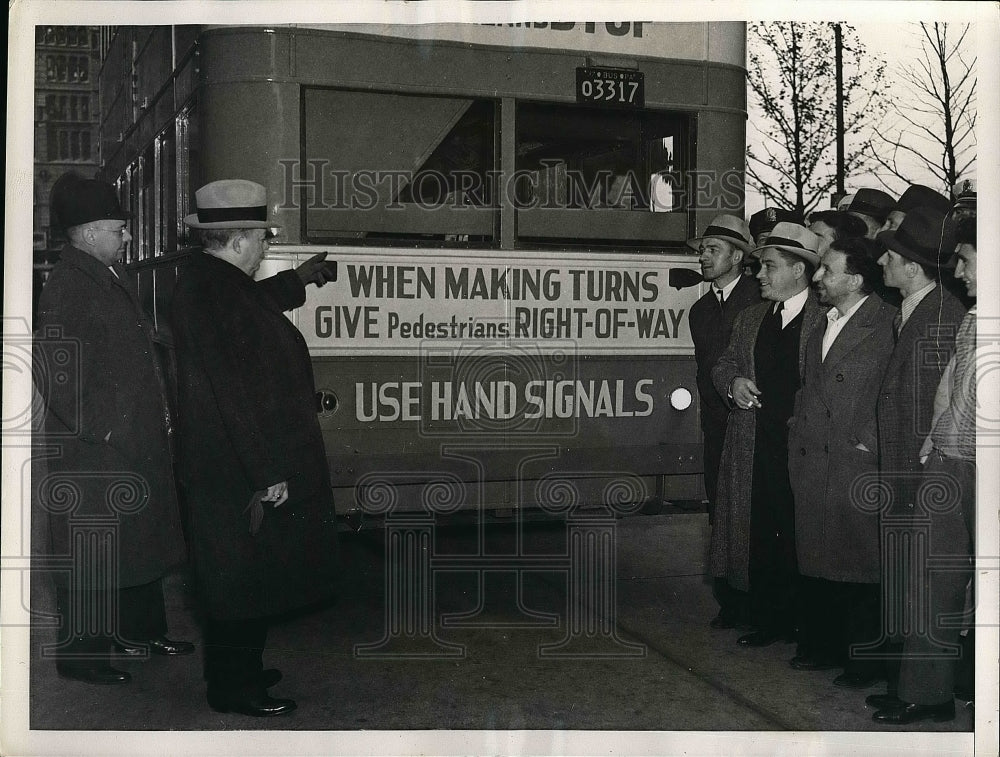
[{"x": 611, "y": 87}]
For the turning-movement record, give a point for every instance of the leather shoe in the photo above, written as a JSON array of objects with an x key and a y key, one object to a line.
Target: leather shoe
[
  {"x": 807, "y": 662},
  {"x": 267, "y": 678},
  {"x": 853, "y": 679},
  {"x": 161, "y": 645},
  {"x": 883, "y": 700},
  {"x": 906, "y": 713},
  {"x": 96, "y": 674},
  {"x": 256, "y": 705},
  {"x": 762, "y": 638},
  {"x": 722, "y": 621}
]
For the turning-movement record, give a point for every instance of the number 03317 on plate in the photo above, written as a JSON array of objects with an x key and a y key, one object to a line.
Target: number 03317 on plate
[{"x": 611, "y": 87}]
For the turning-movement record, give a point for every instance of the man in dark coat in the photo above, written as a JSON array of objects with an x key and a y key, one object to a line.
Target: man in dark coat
[
  {"x": 721, "y": 250},
  {"x": 925, "y": 341},
  {"x": 753, "y": 539},
  {"x": 111, "y": 483},
  {"x": 832, "y": 449},
  {"x": 252, "y": 460}
]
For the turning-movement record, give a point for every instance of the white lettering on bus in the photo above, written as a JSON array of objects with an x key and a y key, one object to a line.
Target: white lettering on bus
[{"x": 498, "y": 400}]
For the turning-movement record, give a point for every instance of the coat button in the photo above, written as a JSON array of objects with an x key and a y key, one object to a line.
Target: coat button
[
  {"x": 826, "y": 447},
  {"x": 840, "y": 377},
  {"x": 828, "y": 414},
  {"x": 802, "y": 451}
]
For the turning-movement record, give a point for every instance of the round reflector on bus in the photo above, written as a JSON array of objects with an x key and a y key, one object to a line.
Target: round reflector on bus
[{"x": 680, "y": 398}]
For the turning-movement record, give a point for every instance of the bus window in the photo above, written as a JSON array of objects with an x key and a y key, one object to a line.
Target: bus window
[
  {"x": 589, "y": 158},
  {"x": 187, "y": 167},
  {"x": 571, "y": 160},
  {"x": 147, "y": 204},
  {"x": 166, "y": 194},
  {"x": 399, "y": 167}
]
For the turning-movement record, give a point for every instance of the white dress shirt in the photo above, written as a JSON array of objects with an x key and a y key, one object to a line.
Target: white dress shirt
[
  {"x": 835, "y": 323},
  {"x": 792, "y": 306},
  {"x": 726, "y": 290}
]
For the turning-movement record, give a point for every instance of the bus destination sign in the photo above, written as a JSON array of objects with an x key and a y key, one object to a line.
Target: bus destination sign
[{"x": 610, "y": 87}]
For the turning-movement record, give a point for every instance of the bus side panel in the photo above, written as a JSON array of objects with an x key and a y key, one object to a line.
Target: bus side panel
[{"x": 496, "y": 419}]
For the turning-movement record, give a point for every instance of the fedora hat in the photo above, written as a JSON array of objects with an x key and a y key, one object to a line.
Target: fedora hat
[
  {"x": 922, "y": 237},
  {"x": 76, "y": 201},
  {"x": 729, "y": 228},
  {"x": 917, "y": 195},
  {"x": 230, "y": 204},
  {"x": 794, "y": 238},
  {"x": 763, "y": 221},
  {"x": 872, "y": 202}
]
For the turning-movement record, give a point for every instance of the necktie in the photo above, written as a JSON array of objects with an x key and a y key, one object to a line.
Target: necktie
[
  {"x": 722, "y": 300},
  {"x": 897, "y": 325},
  {"x": 777, "y": 313}
]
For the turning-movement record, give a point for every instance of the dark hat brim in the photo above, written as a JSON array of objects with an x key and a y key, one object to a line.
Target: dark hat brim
[
  {"x": 194, "y": 223},
  {"x": 889, "y": 239}
]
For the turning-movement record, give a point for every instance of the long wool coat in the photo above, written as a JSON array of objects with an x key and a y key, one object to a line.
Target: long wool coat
[
  {"x": 836, "y": 538},
  {"x": 247, "y": 419},
  {"x": 107, "y": 420},
  {"x": 711, "y": 327},
  {"x": 906, "y": 397},
  {"x": 729, "y": 553}
]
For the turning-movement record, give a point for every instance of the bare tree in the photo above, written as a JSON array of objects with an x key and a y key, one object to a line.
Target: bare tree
[
  {"x": 791, "y": 72},
  {"x": 933, "y": 129}
]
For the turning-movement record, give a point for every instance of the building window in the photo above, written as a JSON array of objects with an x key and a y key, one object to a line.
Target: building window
[
  {"x": 67, "y": 144},
  {"x": 63, "y": 68}
]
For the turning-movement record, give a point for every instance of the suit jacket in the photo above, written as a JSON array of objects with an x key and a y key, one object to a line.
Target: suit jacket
[
  {"x": 107, "y": 418},
  {"x": 836, "y": 535},
  {"x": 711, "y": 327},
  {"x": 906, "y": 396},
  {"x": 247, "y": 420},
  {"x": 730, "y": 546}
]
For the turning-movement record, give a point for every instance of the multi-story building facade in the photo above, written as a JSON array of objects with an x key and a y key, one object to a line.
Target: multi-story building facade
[{"x": 67, "y": 64}]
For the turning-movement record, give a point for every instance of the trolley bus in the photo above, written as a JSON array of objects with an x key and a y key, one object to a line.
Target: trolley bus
[{"x": 507, "y": 205}]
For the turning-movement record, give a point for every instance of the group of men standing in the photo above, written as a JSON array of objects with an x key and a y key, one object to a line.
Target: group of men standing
[
  {"x": 243, "y": 445},
  {"x": 838, "y": 401},
  {"x": 837, "y": 390}
]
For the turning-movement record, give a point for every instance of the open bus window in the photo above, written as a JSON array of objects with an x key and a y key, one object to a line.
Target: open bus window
[
  {"x": 587, "y": 158},
  {"x": 399, "y": 167}
]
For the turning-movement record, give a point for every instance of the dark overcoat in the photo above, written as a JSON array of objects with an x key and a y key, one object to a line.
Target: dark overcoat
[
  {"x": 905, "y": 408},
  {"x": 729, "y": 553},
  {"x": 107, "y": 420},
  {"x": 247, "y": 420},
  {"x": 836, "y": 537},
  {"x": 711, "y": 326}
]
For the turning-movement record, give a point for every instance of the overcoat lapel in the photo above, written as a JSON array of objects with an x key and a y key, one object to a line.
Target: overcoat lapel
[{"x": 854, "y": 332}]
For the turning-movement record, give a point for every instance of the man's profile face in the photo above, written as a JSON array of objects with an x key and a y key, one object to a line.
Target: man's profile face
[
  {"x": 777, "y": 276},
  {"x": 254, "y": 245},
  {"x": 108, "y": 238},
  {"x": 833, "y": 283},
  {"x": 893, "y": 221},
  {"x": 893, "y": 269},
  {"x": 826, "y": 235},
  {"x": 965, "y": 271},
  {"x": 717, "y": 258}
]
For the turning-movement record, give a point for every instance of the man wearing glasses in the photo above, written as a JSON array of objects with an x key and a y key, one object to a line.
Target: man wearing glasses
[{"x": 109, "y": 494}]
